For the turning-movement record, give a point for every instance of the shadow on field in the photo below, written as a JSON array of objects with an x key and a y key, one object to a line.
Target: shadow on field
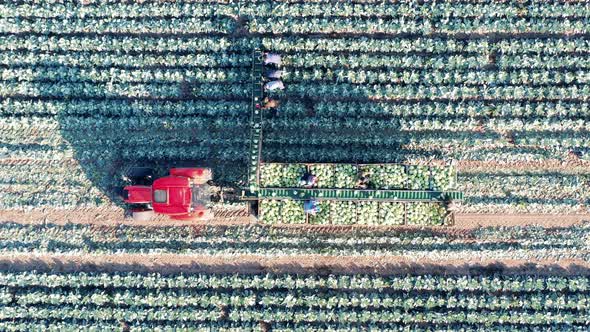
[
  {"x": 193, "y": 265},
  {"x": 112, "y": 126}
]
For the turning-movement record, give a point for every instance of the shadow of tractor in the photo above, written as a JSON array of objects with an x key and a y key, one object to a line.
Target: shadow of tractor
[{"x": 119, "y": 124}]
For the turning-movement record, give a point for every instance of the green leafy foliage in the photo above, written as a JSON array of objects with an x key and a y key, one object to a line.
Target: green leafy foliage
[{"x": 34, "y": 300}]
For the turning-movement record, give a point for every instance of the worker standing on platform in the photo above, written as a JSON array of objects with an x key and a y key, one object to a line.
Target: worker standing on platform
[
  {"x": 363, "y": 181},
  {"x": 272, "y": 58},
  {"x": 311, "y": 207},
  {"x": 270, "y": 105},
  {"x": 274, "y": 85},
  {"x": 274, "y": 74},
  {"x": 308, "y": 180}
]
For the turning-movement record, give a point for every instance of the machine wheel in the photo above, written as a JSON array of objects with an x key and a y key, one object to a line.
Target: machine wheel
[
  {"x": 195, "y": 216},
  {"x": 198, "y": 175},
  {"x": 145, "y": 215},
  {"x": 121, "y": 193},
  {"x": 140, "y": 175}
]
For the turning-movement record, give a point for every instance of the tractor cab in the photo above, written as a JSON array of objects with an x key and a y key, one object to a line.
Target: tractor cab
[{"x": 182, "y": 195}]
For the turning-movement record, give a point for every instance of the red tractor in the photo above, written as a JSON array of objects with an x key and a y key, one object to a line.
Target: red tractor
[{"x": 182, "y": 195}]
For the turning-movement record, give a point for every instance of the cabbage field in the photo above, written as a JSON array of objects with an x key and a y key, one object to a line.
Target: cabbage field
[
  {"x": 39, "y": 301},
  {"x": 89, "y": 88},
  {"x": 485, "y": 100}
]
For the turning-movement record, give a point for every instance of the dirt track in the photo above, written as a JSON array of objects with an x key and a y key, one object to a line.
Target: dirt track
[
  {"x": 296, "y": 264},
  {"x": 562, "y": 166},
  {"x": 109, "y": 216},
  {"x": 115, "y": 216},
  {"x": 545, "y": 220}
]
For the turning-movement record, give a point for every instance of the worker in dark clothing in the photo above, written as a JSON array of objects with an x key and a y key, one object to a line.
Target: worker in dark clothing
[
  {"x": 308, "y": 180},
  {"x": 363, "y": 181}
]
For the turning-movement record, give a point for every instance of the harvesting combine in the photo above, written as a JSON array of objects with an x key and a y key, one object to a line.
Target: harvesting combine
[{"x": 372, "y": 194}]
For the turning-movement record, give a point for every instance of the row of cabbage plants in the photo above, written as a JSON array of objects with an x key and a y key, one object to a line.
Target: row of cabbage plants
[
  {"x": 293, "y": 316},
  {"x": 336, "y": 91},
  {"x": 70, "y": 74},
  {"x": 421, "y": 26},
  {"x": 55, "y": 133},
  {"x": 522, "y": 128},
  {"x": 297, "y": 25},
  {"x": 44, "y": 130},
  {"x": 150, "y": 90},
  {"x": 310, "y": 59},
  {"x": 518, "y": 284},
  {"x": 60, "y": 326},
  {"x": 345, "y": 25},
  {"x": 240, "y": 299},
  {"x": 475, "y": 77},
  {"x": 439, "y": 92},
  {"x": 451, "y": 61},
  {"x": 295, "y": 9},
  {"x": 121, "y": 108},
  {"x": 117, "y": 26},
  {"x": 276, "y": 241},
  {"x": 182, "y": 45},
  {"x": 549, "y": 46},
  {"x": 99, "y": 59},
  {"x": 413, "y": 146},
  {"x": 443, "y": 110}
]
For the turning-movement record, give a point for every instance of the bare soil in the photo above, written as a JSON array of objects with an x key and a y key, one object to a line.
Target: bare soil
[
  {"x": 112, "y": 215},
  {"x": 249, "y": 264},
  {"x": 570, "y": 166},
  {"x": 115, "y": 216},
  {"x": 469, "y": 221}
]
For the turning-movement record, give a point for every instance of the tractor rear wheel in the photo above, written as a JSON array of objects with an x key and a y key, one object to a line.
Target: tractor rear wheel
[{"x": 145, "y": 215}]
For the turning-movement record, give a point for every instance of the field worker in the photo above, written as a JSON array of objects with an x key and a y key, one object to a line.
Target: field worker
[
  {"x": 308, "y": 180},
  {"x": 274, "y": 85},
  {"x": 269, "y": 103},
  {"x": 311, "y": 207},
  {"x": 363, "y": 181},
  {"x": 276, "y": 74},
  {"x": 272, "y": 58}
]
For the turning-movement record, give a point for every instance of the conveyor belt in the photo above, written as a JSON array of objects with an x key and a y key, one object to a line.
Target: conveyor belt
[
  {"x": 359, "y": 194},
  {"x": 254, "y": 192},
  {"x": 255, "y": 121}
]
